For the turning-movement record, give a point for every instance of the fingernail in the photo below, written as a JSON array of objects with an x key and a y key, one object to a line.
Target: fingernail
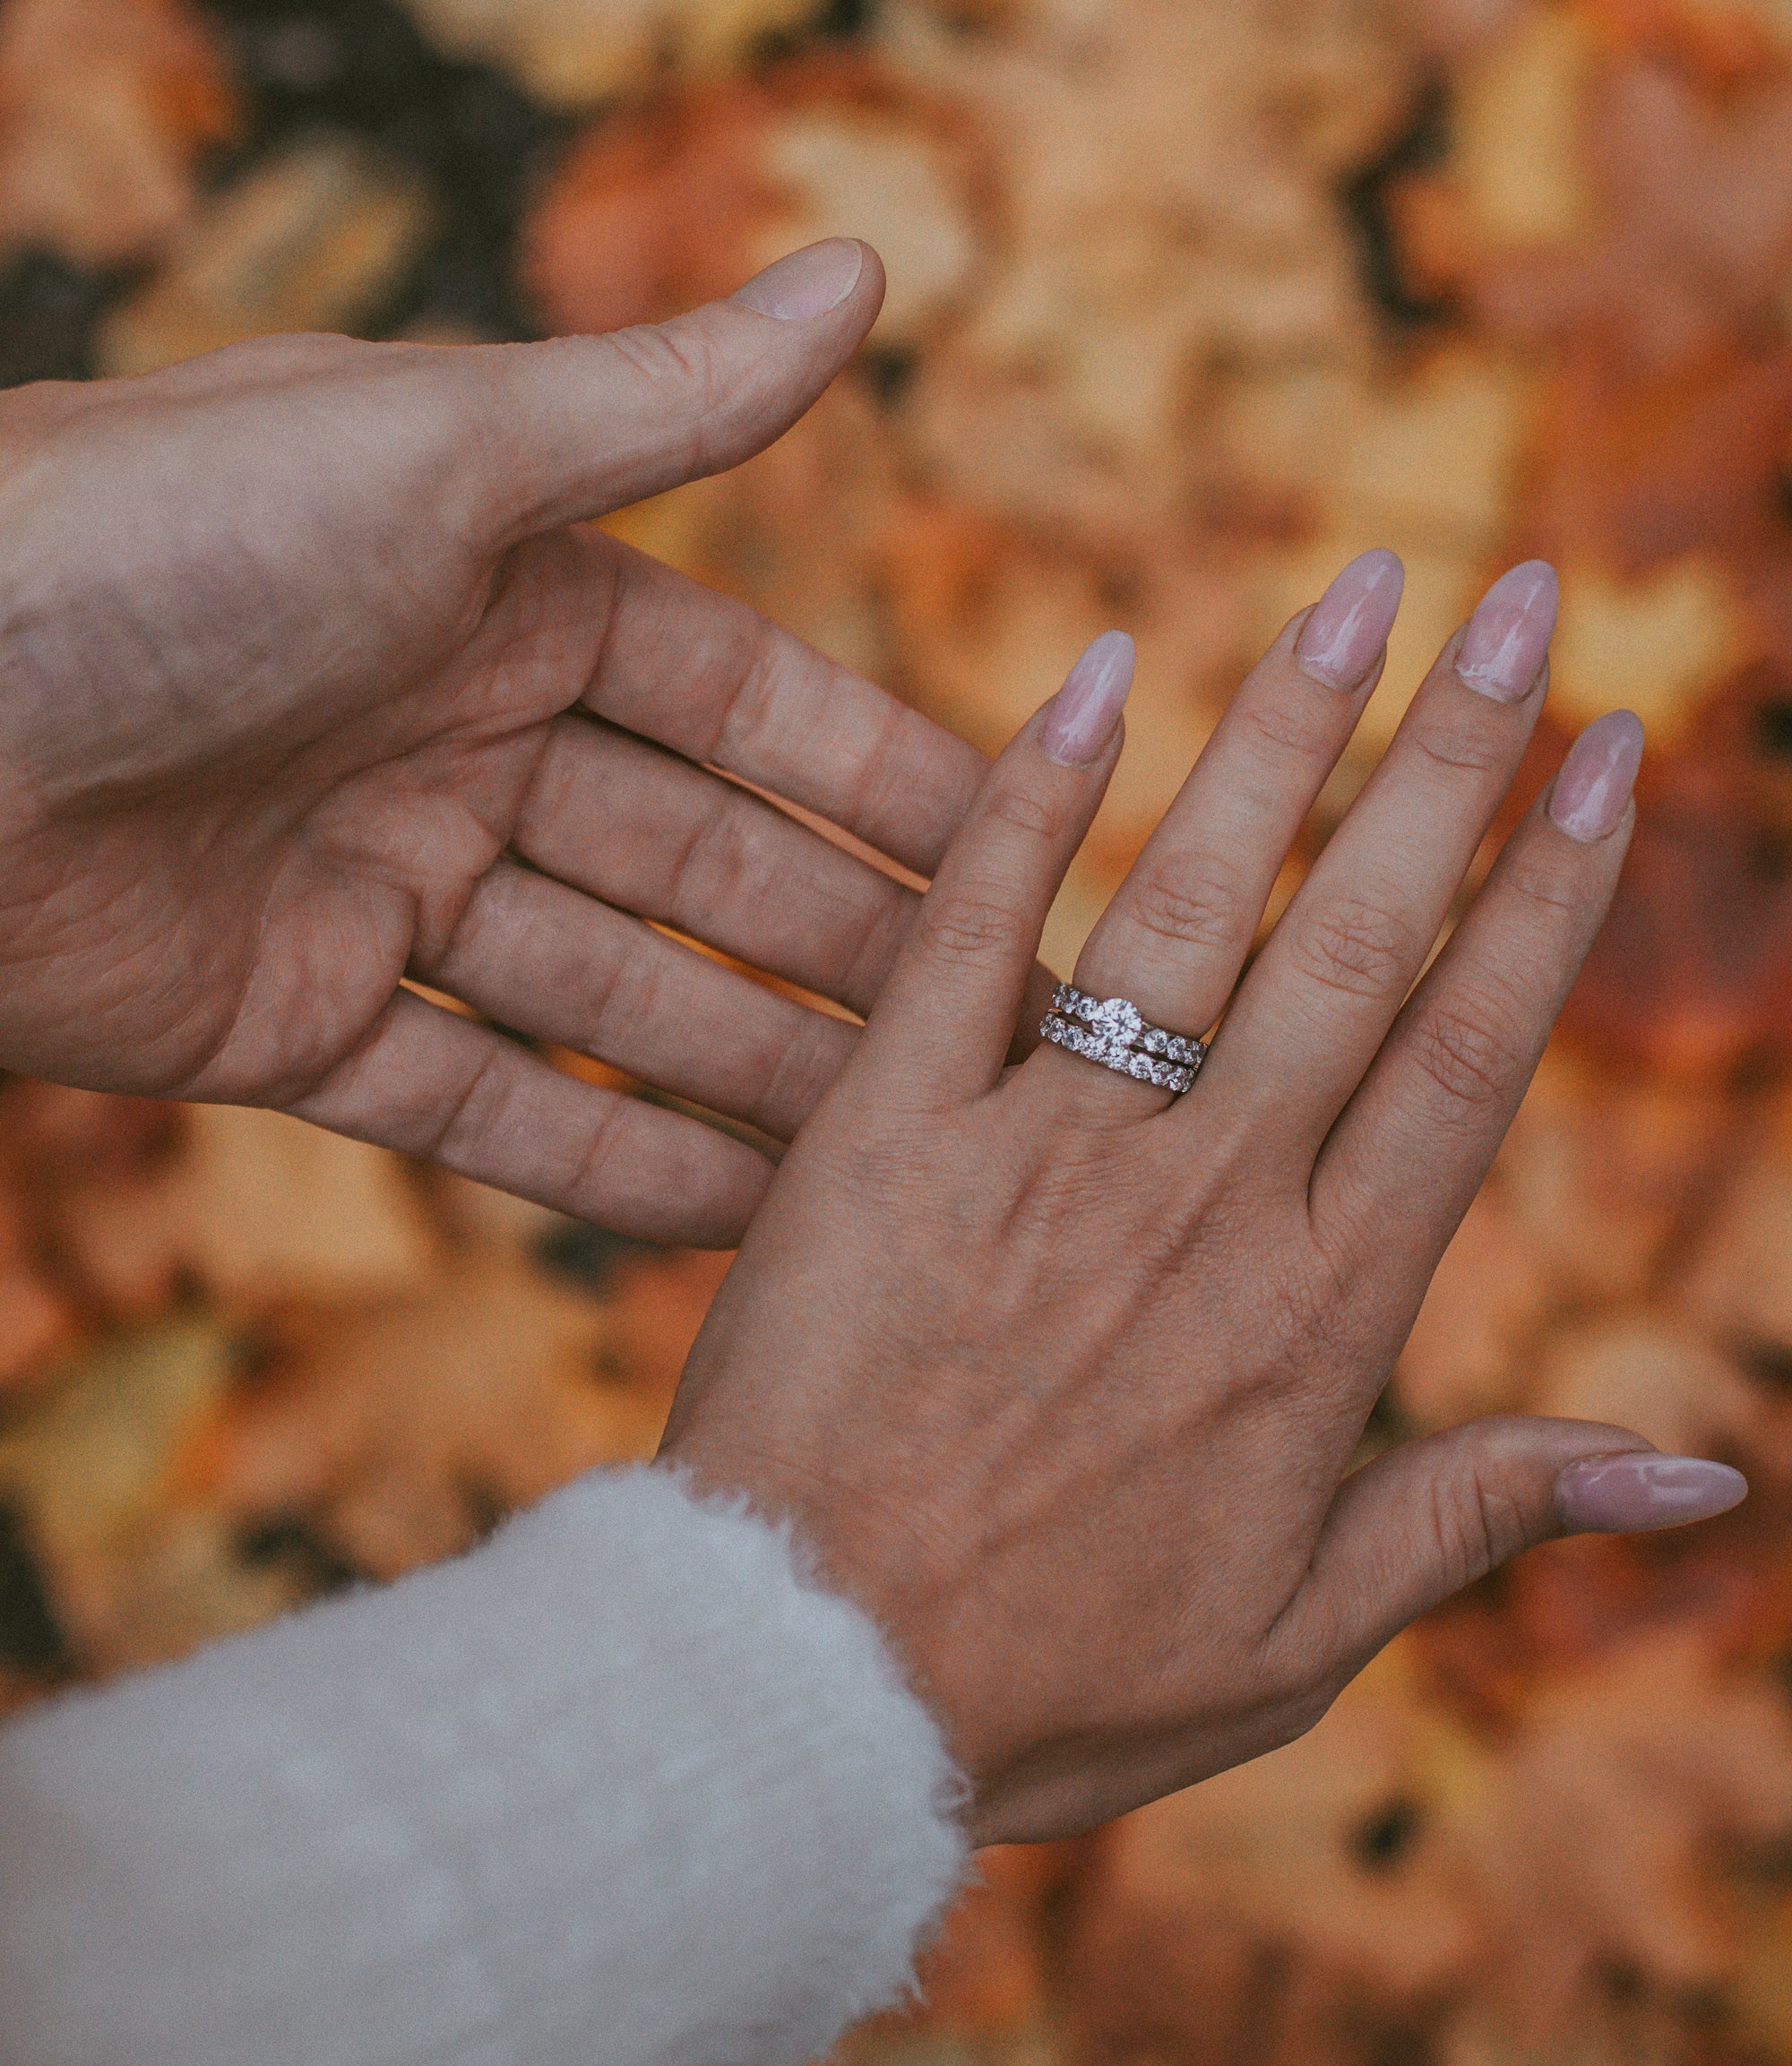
[
  {"x": 1350, "y": 622},
  {"x": 1084, "y": 712},
  {"x": 808, "y": 282},
  {"x": 1596, "y": 780},
  {"x": 1615, "y": 1495},
  {"x": 1510, "y": 632}
]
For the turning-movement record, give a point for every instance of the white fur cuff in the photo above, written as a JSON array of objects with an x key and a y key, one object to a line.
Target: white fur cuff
[{"x": 622, "y": 1786}]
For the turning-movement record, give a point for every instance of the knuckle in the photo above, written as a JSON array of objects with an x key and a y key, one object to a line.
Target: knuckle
[
  {"x": 710, "y": 852},
  {"x": 1025, "y": 812},
  {"x": 750, "y": 713},
  {"x": 590, "y": 1180},
  {"x": 1474, "y": 1526},
  {"x": 799, "y": 1071},
  {"x": 1468, "y": 1052},
  {"x": 876, "y": 940},
  {"x": 1457, "y": 746},
  {"x": 669, "y": 351},
  {"x": 1303, "y": 1711},
  {"x": 1299, "y": 1680},
  {"x": 969, "y": 929},
  {"x": 680, "y": 357},
  {"x": 1289, "y": 728},
  {"x": 1353, "y": 946},
  {"x": 1185, "y": 904},
  {"x": 1546, "y": 891}
]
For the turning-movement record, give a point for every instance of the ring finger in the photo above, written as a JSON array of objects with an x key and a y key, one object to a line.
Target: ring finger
[{"x": 1176, "y": 933}]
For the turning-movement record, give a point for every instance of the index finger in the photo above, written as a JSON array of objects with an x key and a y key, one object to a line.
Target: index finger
[
  {"x": 947, "y": 1014},
  {"x": 757, "y": 701}
]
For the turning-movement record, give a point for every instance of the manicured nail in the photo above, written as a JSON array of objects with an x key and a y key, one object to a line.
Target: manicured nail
[
  {"x": 808, "y": 282},
  {"x": 1615, "y": 1495},
  {"x": 1084, "y": 712},
  {"x": 1350, "y": 622},
  {"x": 1510, "y": 632},
  {"x": 1595, "y": 783}
]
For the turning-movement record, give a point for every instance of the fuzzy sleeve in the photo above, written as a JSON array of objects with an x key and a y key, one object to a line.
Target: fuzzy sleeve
[{"x": 622, "y": 1786}]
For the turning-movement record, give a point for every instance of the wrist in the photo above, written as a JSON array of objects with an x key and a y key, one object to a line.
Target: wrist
[{"x": 875, "y": 1560}]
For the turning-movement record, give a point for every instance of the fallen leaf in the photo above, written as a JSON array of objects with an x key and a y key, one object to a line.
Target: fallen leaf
[
  {"x": 1470, "y": 1349},
  {"x": 107, "y": 108},
  {"x": 575, "y": 53},
  {"x": 1648, "y": 1373},
  {"x": 315, "y": 238},
  {"x": 135, "y": 1571},
  {"x": 1598, "y": 1839},
  {"x": 405, "y": 1432},
  {"x": 1664, "y": 642},
  {"x": 1299, "y": 1910},
  {"x": 680, "y": 201},
  {"x": 1608, "y": 1170}
]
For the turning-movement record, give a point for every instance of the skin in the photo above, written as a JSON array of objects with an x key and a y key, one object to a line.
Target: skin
[
  {"x": 309, "y": 684},
  {"x": 1064, "y": 1379}
]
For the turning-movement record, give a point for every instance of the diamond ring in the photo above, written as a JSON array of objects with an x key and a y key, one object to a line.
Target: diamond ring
[{"x": 1115, "y": 1032}]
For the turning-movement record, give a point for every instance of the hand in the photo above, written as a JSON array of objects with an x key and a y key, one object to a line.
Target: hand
[
  {"x": 307, "y": 685},
  {"x": 1062, "y": 1378}
]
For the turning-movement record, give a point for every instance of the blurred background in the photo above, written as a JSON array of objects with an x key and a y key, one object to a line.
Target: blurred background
[{"x": 1190, "y": 301}]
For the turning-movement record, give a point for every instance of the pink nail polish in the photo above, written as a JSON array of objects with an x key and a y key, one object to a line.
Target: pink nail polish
[
  {"x": 1082, "y": 715},
  {"x": 1510, "y": 632},
  {"x": 1596, "y": 780},
  {"x": 1350, "y": 622},
  {"x": 1619, "y": 1494},
  {"x": 808, "y": 282}
]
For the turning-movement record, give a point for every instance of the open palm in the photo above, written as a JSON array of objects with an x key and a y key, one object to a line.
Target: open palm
[{"x": 308, "y": 684}]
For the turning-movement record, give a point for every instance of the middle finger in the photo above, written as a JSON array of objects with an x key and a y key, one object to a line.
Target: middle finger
[
  {"x": 541, "y": 957},
  {"x": 626, "y": 821},
  {"x": 1178, "y": 928},
  {"x": 1309, "y": 1018}
]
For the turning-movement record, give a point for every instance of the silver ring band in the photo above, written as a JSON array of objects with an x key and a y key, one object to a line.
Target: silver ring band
[{"x": 1115, "y": 1033}]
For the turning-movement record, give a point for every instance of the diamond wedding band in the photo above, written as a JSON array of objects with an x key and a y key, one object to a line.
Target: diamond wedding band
[{"x": 1113, "y": 1032}]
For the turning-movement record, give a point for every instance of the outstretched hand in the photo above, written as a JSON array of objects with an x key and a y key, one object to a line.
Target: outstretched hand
[
  {"x": 307, "y": 685},
  {"x": 1064, "y": 1380}
]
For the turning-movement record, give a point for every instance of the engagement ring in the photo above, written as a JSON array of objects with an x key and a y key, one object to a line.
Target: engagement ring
[{"x": 1113, "y": 1032}]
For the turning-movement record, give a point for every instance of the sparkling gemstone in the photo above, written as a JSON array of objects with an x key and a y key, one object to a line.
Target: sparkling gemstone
[
  {"x": 1115, "y": 1016},
  {"x": 1154, "y": 1042}
]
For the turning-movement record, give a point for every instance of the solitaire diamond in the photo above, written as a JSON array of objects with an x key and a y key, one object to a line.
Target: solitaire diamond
[{"x": 1115, "y": 1016}]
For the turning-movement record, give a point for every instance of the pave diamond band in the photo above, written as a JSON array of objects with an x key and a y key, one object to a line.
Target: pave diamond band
[
  {"x": 1115, "y": 1033},
  {"x": 1124, "y": 1061}
]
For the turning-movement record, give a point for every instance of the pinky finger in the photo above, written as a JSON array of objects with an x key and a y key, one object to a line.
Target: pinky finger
[
  {"x": 451, "y": 1091},
  {"x": 1409, "y": 1150},
  {"x": 1418, "y": 1524}
]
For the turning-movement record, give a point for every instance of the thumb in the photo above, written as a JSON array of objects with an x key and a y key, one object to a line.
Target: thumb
[
  {"x": 582, "y": 426},
  {"x": 1433, "y": 1516}
]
